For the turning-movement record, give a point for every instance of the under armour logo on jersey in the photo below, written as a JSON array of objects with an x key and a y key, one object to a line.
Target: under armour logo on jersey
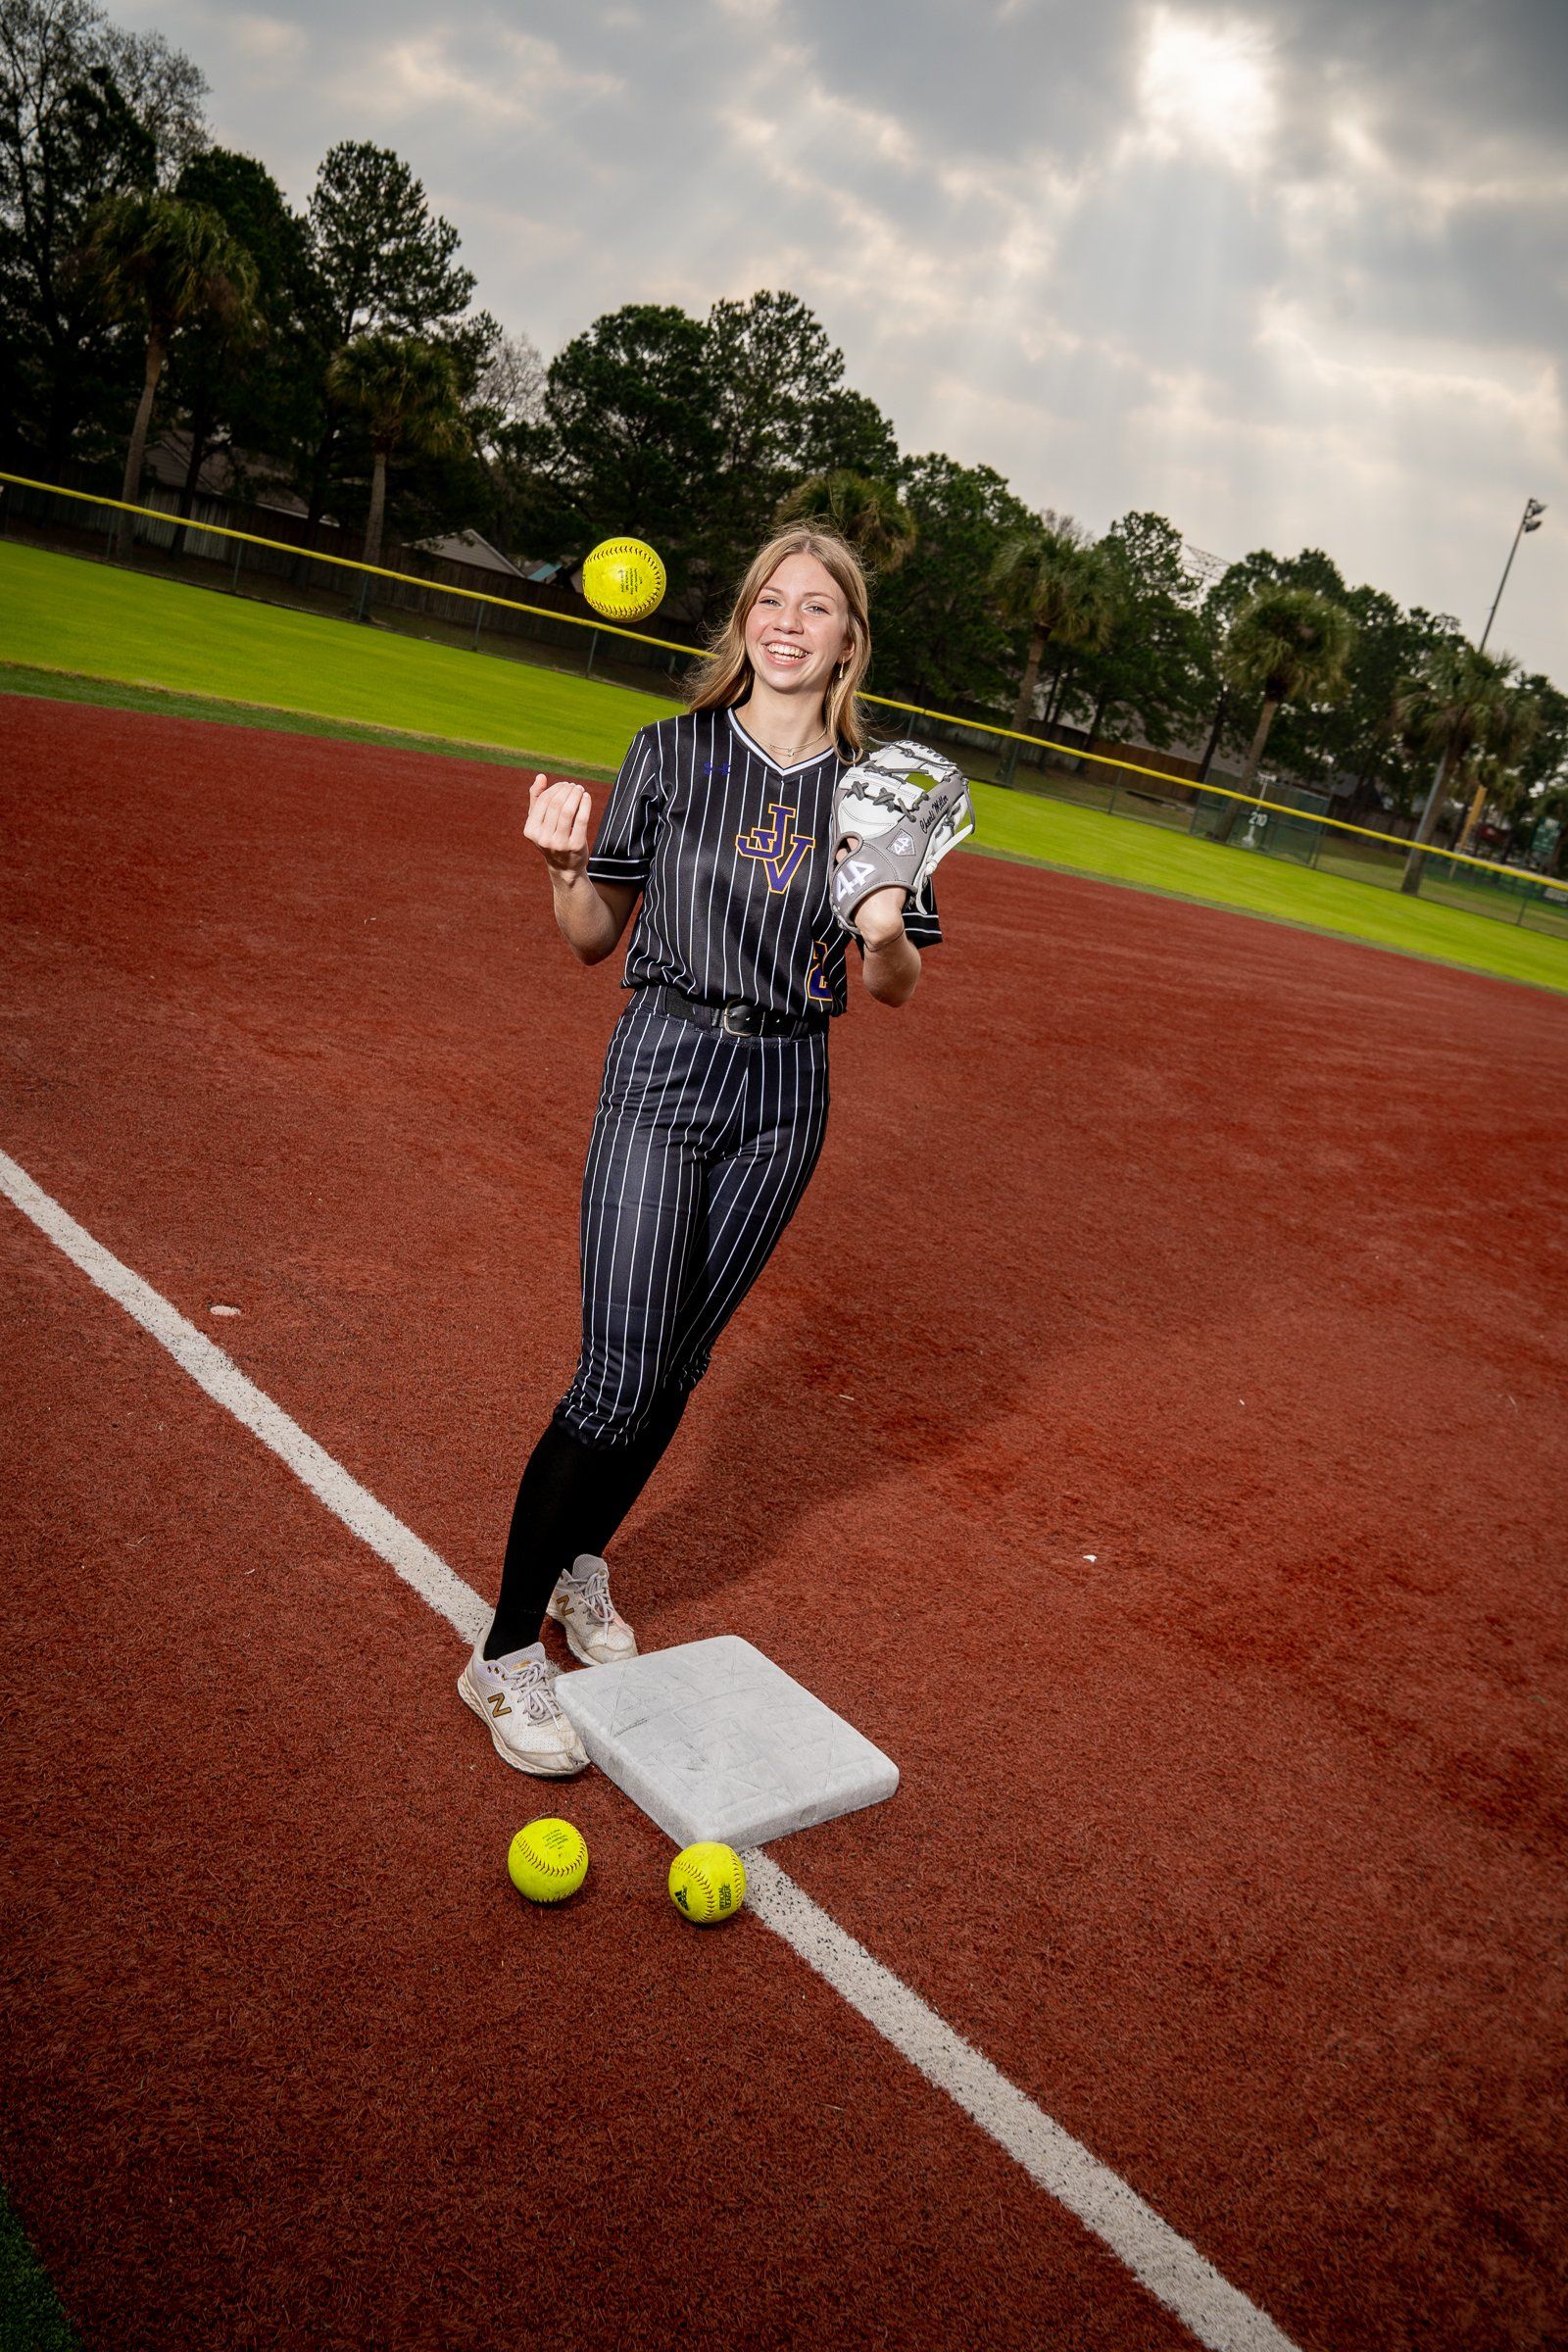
[{"x": 780, "y": 850}]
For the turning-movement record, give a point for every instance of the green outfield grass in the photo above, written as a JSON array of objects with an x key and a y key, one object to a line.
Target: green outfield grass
[
  {"x": 144, "y": 643},
  {"x": 64, "y": 613},
  {"x": 108, "y": 694},
  {"x": 1083, "y": 841},
  {"x": 30, "y": 2316}
]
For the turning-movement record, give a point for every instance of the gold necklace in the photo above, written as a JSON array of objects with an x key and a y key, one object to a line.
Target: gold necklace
[{"x": 793, "y": 751}]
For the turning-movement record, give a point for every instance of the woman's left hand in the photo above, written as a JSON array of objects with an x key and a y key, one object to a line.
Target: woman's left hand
[
  {"x": 879, "y": 918},
  {"x": 892, "y": 960}
]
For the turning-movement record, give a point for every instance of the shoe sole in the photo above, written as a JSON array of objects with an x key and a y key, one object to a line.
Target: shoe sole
[
  {"x": 576, "y": 1646},
  {"x": 563, "y": 1771}
]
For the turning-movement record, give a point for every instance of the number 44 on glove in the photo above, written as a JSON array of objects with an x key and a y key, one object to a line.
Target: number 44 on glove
[{"x": 898, "y": 814}]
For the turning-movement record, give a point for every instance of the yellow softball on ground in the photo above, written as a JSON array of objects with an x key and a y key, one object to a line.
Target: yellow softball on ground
[
  {"x": 708, "y": 1882},
  {"x": 547, "y": 1861},
  {"x": 623, "y": 579}
]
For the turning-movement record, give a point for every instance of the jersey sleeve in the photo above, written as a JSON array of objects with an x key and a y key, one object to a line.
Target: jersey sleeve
[
  {"x": 624, "y": 846},
  {"x": 924, "y": 930}
]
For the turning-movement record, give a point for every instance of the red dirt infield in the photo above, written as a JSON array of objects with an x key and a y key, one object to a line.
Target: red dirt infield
[{"x": 1227, "y": 1255}]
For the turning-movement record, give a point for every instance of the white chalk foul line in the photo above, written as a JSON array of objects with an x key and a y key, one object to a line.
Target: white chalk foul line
[
  {"x": 1173, "y": 2270},
  {"x": 1218, "y": 2314}
]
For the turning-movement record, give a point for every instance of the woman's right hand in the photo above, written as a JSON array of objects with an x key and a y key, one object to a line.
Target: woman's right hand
[{"x": 557, "y": 823}]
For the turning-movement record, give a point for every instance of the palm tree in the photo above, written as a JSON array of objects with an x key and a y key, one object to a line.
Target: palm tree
[
  {"x": 1454, "y": 708},
  {"x": 863, "y": 509},
  {"x": 1492, "y": 768},
  {"x": 1050, "y": 580},
  {"x": 407, "y": 393},
  {"x": 1289, "y": 645},
  {"x": 166, "y": 264},
  {"x": 1552, "y": 803}
]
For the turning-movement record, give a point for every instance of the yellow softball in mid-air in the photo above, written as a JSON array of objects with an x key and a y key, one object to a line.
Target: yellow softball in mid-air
[
  {"x": 547, "y": 1861},
  {"x": 708, "y": 1882},
  {"x": 623, "y": 579}
]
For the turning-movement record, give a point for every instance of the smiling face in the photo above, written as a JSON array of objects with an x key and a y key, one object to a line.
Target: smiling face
[{"x": 797, "y": 631}]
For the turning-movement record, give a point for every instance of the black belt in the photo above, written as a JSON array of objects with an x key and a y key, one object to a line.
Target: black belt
[{"x": 736, "y": 1020}]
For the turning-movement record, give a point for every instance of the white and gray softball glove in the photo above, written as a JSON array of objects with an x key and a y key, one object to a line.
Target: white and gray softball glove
[{"x": 898, "y": 813}]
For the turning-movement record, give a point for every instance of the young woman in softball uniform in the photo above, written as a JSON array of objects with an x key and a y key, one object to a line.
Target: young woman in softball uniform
[{"x": 714, "y": 1099}]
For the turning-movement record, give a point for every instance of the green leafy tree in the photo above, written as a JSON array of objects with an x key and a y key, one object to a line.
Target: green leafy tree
[
  {"x": 772, "y": 373},
  {"x": 1360, "y": 735},
  {"x": 1286, "y": 645},
  {"x": 689, "y": 432},
  {"x": 1542, "y": 765},
  {"x": 234, "y": 392},
  {"x": 383, "y": 259},
  {"x": 1355, "y": 734},
  {"x": 164, "y": 266},
  {"x": 939, "y": 640},
  {"x": 626, "y": 442},
  {"x": 1548, "y": 826},
  {"x": 408, "y": 397},
  {"x": 1451, "y": 710},
  {"x": 86, "y": 112},
  {"x": 1236, "y": 586},
  {"x": 1048, "y": 579},
  {"x": 847, "y": 433},
  {"x": 771, "y": 365},
  {"x": 1155, "y": 669},
  {"x": 869, "y": 514},
  {"x": 782, "y": 412},
  {"x": 380, "y": 259}
]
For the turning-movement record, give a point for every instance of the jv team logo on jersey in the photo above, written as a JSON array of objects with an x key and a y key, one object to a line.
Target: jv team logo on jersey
[{"x": 780, "y": 850}]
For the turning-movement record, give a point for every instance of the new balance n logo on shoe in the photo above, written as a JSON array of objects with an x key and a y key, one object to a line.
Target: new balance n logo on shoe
[{"x": 499, "y": 1704}]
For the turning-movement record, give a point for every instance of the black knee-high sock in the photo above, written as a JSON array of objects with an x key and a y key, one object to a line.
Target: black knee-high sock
[
  {"x": 571, "y": 1499},
  {"x": 629, "y": 1468},
  {"x": 555, "y": 1491}
]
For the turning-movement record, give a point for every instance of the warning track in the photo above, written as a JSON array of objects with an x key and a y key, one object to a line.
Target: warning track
[{"x": 1231, "y": 1848}]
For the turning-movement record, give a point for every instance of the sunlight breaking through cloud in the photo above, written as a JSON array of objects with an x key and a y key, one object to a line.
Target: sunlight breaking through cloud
[{"x": 1206, "y": 84}]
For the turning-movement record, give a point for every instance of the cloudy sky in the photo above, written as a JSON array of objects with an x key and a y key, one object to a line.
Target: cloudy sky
[{"x": 1293, "y": 271}]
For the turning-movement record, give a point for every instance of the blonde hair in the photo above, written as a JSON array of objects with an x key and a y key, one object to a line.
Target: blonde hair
[{"x": 726, "y": 677}]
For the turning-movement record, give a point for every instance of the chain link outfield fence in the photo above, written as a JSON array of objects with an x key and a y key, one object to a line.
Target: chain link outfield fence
[{"x": 279, "y": 558}]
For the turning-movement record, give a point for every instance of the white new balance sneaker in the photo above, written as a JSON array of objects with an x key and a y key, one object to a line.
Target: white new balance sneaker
[
  {"x": 515, "y": 1699},
  {"x": 596, "y": 1631}
]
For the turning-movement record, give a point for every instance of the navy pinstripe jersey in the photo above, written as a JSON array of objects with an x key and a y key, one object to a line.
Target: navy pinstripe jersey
[{"x": 730, "y": 853}]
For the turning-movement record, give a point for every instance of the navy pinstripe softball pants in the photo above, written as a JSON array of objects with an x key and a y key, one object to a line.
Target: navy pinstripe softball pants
[{"x": 701, "y": 1147}]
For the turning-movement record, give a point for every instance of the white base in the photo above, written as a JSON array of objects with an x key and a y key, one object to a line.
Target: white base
[{"x": 712, "y": 1740}]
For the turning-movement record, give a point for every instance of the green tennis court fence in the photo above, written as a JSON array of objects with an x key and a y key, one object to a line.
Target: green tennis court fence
[{"x": 279, "y": 565}]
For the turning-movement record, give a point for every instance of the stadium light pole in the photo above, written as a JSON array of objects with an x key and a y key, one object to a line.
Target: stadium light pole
[
  {"x": 1410, "y": 881},
  {"x": 1529, "y": 521}
]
